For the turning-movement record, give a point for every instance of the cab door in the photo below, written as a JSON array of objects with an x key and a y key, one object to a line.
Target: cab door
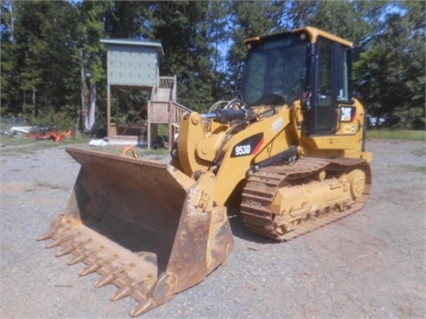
[{"x": 329, "y": 79}]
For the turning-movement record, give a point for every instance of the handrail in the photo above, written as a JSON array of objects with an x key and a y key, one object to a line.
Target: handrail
[
  {"x": 176, "y": 111},
  {"x": 165, "y": 82},
  {"x": 186, "y": 109}
]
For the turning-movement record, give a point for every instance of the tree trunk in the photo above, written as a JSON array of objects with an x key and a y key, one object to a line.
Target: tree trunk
[
  {"x": 34, "y": 102},
  {"x": 90, "y": 118},
  {"x": 84, "y": 93},
  {"x": 24, "y": 108}
]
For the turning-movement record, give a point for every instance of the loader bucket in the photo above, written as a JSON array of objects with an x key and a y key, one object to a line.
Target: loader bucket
[{"x": 143, "y": 226}]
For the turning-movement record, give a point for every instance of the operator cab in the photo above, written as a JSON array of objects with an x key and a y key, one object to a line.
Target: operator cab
[{"x": 307, "y": 65}]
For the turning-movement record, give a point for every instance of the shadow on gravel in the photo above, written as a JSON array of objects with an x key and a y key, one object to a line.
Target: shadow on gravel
[{"x": 240, "y": 231}]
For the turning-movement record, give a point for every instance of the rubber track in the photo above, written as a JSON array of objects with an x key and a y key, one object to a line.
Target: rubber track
[{"x": 262, "y": 186}]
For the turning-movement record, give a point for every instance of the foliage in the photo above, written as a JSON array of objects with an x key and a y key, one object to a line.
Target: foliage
[
  {"x": 341, "y": 18},
  {"x": 392, "y": 69},
  {"x": 182, "y": 28},
  {"x": 249, "y": 19},
  {"x": 53, "y": 66},
  {"x": 40, "y": 59}
]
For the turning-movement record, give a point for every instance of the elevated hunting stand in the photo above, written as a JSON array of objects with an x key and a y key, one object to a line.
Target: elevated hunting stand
[{"x": 139, "y": 100}]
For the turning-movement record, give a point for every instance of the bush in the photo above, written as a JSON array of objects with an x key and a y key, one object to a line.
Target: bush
[{"x": 63, "y": 120}]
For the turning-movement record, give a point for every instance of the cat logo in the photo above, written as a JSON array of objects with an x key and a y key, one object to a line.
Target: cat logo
[{"x": 347, "y": 113}]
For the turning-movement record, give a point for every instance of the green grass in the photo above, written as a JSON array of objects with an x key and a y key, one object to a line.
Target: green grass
[
  {"x": 15, "y": 141},
  {"x": 158, "y": 151},
  {"x": 397, "y": 134}
]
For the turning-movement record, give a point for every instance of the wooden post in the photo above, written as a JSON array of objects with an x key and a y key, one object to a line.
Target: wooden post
[
  {"x": 172, "y": 111},
  {"x": 109, "y": 131},
  {"x": 148, "y": 129}
]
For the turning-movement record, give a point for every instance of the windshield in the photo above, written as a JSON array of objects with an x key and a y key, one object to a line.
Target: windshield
[{"x": 276, "y": 66}]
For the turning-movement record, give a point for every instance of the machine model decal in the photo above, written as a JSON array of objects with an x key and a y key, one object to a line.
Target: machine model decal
[
  {"x": 249, "y": 146},
  {"x": 347, "y": 113}
]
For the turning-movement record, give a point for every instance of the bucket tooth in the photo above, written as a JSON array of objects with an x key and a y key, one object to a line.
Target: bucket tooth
[
  {"x": 76, "y": 259},
  {"x": 46, "y": 235},
  {"x": 66, "y": 250},
  {"x": 143, "y": 307},
  {"x": 105, "y": 280},
  {"x": 56, "y": 242},
  {"x": 121, "y": 293},
  {"x": 82, "y": 256},
  {"x": 97, "y": 265},
  {"x": 70, "y": 248},
  {"x": 90, "y": 269},
  {"x": 108, "y": 278}
]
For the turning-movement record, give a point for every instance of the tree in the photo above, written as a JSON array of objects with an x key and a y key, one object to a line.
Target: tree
[
  {"x": 249, "y": 19},
  {"x": 129, "y": 19},
  {"x": 53, "y": 64},
  {"x": 10, "y": 59},
  {"x": 392, "y": 69},
  {"x": 347, "y": 19},
  {"x": 182, "y": 28},
  {"x": 217, "y": 36},
  {"x": 43, "y": 60},
  {"x": 92, "y": 57}
]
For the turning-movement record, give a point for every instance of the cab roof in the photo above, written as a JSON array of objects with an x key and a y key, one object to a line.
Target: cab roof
[{"x": 311, "y": 32}]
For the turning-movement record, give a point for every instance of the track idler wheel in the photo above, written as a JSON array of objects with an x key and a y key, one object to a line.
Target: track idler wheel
[{"x": 357, "y": 180}]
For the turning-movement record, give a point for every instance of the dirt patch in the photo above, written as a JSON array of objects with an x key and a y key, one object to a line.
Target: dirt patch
[
  {"x": 15, "y": 187},
  {"x": 20, "y": 187}
]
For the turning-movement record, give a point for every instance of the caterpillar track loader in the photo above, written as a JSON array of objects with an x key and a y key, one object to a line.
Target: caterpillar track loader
[{"x": 292, "y": 148}]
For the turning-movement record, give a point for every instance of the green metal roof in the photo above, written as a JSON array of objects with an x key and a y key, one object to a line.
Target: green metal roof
[{"x": 134, "y": 42}]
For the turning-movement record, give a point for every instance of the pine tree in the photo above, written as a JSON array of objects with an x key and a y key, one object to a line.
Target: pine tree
[
  {"x": 182, "y": 28},
  {"x": 43, "y": 62},
  {"x": 249, "y": 19},
  {"x": 392, "y": 69},
  {"x": 92, "y": 59}
]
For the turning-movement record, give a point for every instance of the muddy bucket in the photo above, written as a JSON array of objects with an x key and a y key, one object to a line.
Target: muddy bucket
[{"x": 144, "y": 226}]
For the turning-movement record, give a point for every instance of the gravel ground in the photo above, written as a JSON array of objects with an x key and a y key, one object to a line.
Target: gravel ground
[{"x": 368, "y": 265}]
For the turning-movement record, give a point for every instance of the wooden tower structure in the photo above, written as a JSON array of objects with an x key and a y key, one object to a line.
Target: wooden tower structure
[{"x": 133, "y": 66}]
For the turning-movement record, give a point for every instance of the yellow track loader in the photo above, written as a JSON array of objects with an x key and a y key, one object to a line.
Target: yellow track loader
[{"x": 291, "y": 147}]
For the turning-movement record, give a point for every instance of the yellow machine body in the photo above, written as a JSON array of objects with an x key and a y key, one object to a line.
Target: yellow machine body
[{"x": 292, "y": 147}]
